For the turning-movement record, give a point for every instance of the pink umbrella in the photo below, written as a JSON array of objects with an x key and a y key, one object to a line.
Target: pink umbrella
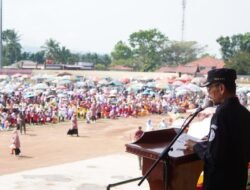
[
  {"x": 177, "y": 83},
  {"x": 61, "y": 87}
]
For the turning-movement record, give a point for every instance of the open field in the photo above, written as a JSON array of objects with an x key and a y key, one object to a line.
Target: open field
[{"x": 49, "y": 145}]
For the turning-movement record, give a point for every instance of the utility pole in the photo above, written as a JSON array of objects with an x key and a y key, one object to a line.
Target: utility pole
[
  {"x": 183, "y": 20},
  {"x": 1, "y": 40}
]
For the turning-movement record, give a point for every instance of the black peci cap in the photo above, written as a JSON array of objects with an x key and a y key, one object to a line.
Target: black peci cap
[{"x": 223, "y": 75}]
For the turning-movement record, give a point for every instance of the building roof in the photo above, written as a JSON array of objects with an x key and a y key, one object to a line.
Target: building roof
[
  {"x": 121, "y": 68},
  {"x": 186, "y": 69},
  {"x": 86, "y": 64},
  {"x": 179, "y": 69},
  {"x": 204, "y": 71},
  {"x": 25, "y": 64},
  {"x": 15, "y": 71},
  {"x": 167, "y": 69},
  {"x": 208, "y": 62},
  {"x": 201, "y": 66}
]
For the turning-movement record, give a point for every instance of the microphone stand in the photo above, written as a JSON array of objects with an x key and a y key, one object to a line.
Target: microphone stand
[{"x": 169, "y": 147}]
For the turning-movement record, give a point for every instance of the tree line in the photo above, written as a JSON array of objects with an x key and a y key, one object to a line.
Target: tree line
[{"x": 145, "y": 50}]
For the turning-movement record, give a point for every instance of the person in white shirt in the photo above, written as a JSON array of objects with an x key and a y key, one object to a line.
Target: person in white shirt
[
  {"x": 162, "y": 124},
  {"x": 149, "y": 126}
]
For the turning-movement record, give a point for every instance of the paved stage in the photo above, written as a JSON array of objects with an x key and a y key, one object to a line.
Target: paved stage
[{"x": 93, "y": 174}]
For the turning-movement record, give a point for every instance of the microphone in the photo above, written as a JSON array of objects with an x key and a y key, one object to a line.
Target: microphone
[{"x": 207, "y": 103}]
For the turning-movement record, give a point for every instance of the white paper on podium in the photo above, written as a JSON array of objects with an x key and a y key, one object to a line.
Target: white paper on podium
[
  {"x": 200, "y": 129},
  {"x": 183, "y": 138}
]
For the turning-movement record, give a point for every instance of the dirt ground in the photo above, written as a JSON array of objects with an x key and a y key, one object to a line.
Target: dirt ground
[{"x": 49, "y": 145}]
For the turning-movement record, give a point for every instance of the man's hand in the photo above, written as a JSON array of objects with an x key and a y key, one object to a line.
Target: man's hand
[
  {"x": 205, "y": 138},
  {"x": 190, "y": 144}
]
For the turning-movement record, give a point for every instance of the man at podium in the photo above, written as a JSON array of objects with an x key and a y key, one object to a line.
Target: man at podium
[{"x": 226, "y": 153}]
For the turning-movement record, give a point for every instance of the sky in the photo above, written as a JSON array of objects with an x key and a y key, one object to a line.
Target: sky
[{"x": 97, "y": 25}]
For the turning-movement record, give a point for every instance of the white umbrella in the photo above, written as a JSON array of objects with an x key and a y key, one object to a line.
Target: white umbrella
[
  {"x": 182, "y": 92},
  {"x": 41, "y": 86},
  {"x": 9, "y": 88},
  {"x": 3, "y": 83},
  {"x": 29, "y": 95},
  {"x": 193, "y": 87},
  {"x": 136, "y": 86},
  {"x": 103, "y": 82},
  {"x": 244, "y": 89},
  {"x": 198, "y": 80},
  {"x": 64, "y": 81},
  {"x": 38, "y": 91},
  {"x": 62, "y": 95},
  {"x": 4, "y": 77},
  {"x": 151, "y": 84},
  {"x": 81, "y": 84},
  {"x": 113, "y": 91},
  {"x": 182, "y": 87},
  {"x": 93, "y": 91}
]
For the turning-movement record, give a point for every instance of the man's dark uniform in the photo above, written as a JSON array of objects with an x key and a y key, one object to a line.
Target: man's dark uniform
[{"x": 226, "y": 154}]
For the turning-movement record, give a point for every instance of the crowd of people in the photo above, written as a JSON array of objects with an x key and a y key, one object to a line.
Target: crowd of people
[
  {"x": 41, "y": 102},
  {"x": 47, "y": 99}
]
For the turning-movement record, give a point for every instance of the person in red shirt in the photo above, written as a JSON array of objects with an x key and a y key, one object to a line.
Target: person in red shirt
[{"x": 138, "y": 133}]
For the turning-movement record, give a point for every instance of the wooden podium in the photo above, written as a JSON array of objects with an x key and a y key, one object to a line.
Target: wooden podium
[{"x": 180, "y": 170}]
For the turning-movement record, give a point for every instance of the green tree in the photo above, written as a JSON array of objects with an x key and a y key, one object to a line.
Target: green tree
[
  {"x": 100, "y": 67},
  {"x": 63, "y": 55},
  {"x": 148, "y": 47},
  {"x": 11, "y": 47},
  {"x": 121, "y": 51},
  {"x": 39, "y": 57},
  {"x": 102, "y": 59},
  {"x": 106, "y": 60},
  {"x": 89, "y": 57},
  {"x": 125, "y": 62},
  {"x": 36, "y": 57},
  {"x": 51, "y": 49},
  {"x": 74, "y": 58},
  {"x": 236, "y": 51},
  {"x": 182, "y": 52},
  {"x": 232, "y": 45},
  {"x": 59, "y": 54},
  {"x": 122, "y": 55},
  {"x": 240, "y": 62},
  {"x": 26, "y": 56}
]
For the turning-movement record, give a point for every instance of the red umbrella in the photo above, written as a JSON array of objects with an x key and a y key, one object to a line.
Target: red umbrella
[{"x": 125, "y": 80}]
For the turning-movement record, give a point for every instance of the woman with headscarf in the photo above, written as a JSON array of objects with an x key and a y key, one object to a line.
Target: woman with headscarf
[
  {"x": 74, "y": 126},
  {"x": 15, "y": 143}
]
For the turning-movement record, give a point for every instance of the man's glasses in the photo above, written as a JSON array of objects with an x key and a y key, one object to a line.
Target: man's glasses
[{"x": 212, "y": 85}]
